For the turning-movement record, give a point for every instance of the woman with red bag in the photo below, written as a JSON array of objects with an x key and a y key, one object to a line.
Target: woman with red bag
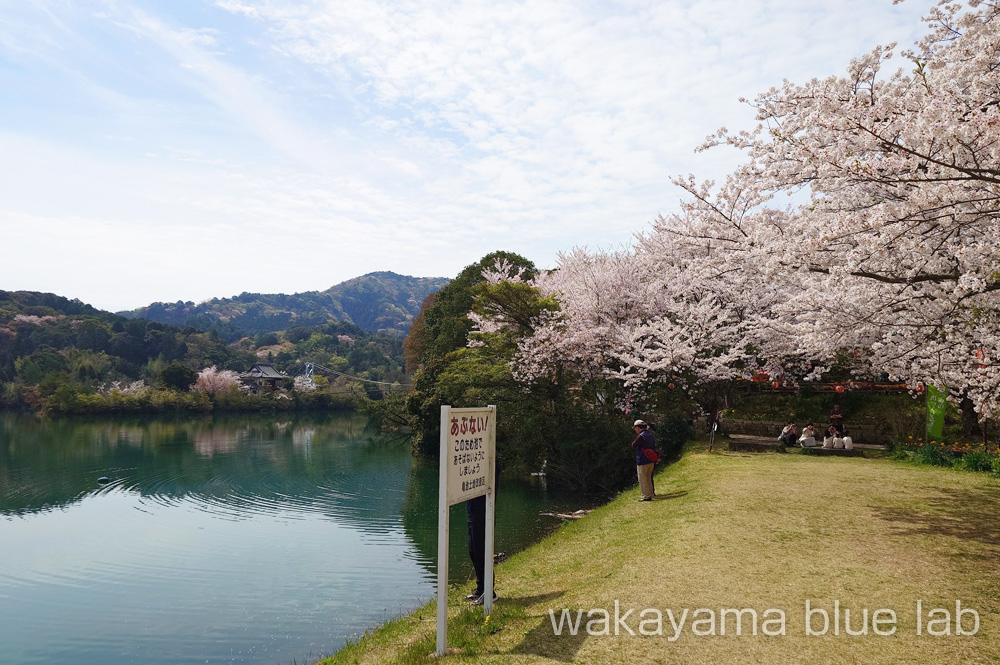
[{"x": 645, "y": 459}]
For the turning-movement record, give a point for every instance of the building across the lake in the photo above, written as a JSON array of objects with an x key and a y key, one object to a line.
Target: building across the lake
[{"x": 262, "y": 375}]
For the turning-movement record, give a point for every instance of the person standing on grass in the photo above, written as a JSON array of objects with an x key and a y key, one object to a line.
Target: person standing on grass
[
  {"x": 475, "y": 510},
  {"x": 645, "y": 448},
  {"x": 837, "y": 419},
  {"x": 476, "y": 514}
]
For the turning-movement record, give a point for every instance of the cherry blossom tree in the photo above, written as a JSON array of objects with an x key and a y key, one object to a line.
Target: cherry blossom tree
[
  {"x": 122, "y": 388},
  {"x": 896, "y": 251},
  {"x": 212, "y": 380},
  {"x": 636, "y": 319},
  {"x": 889, "y": 246}
]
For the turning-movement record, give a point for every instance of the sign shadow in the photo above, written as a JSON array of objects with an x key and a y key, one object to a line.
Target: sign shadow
[{"x": 542, "y": 640}]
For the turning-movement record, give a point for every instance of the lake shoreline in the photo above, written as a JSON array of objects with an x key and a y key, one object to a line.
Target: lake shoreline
[
  {"x": 902, "y": 537},
  {"x": 170, "y": 402}
]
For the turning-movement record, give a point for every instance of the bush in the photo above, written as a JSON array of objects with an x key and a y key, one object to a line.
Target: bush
[
  {"x": 977, "y": 460},
  {"x": 671, "y": 434},
  {"x": 900, "y": 451},
  {"x": 69, "y": 401},
  {"x": 178, "y": 377},
  {"x": 590, "y": 452},
  {"x": 934, "y": 455},
  {"x": 387, "y": 414}
]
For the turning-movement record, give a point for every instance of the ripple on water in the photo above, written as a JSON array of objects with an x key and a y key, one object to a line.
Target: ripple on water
[
  {"x": 225, "y": 499},
  {"x": 247, "y": 548}
]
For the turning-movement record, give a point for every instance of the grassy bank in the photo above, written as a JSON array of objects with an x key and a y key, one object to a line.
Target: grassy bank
[{"x": 758, "y": 531}]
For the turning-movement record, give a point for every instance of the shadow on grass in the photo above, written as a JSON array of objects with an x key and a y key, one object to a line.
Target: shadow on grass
[
  {"x": 957, "y": 513},
  {"x": 527, "y": 601},
  {"x": 542, "y": 640},
  {"x": 671, "y": 495}
]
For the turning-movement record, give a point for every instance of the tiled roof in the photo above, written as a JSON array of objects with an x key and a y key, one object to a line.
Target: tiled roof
[{"x": 264, "y": 371}]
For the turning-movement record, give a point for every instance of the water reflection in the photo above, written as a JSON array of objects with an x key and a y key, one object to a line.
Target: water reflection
[
  {"x": 519, "y": 520},
  {"x": 239, "y": 466},
  {"x": 218, "y": 540}
]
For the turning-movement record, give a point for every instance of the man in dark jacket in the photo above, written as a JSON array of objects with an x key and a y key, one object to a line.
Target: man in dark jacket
[
  {"x": 475, "y": 512},
  {"x": 643, "y": 464}
]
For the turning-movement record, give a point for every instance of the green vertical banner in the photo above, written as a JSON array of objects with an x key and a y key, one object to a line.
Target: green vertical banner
[{"x": 936, "y": 403}]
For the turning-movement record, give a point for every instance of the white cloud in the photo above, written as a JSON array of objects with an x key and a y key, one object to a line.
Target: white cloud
[{"x": 347, "y": 137}]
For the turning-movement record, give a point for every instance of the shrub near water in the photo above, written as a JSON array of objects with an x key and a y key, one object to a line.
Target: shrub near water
[
  {"x": 589, "y": 451},
  {"x": 671, "y": 435}
]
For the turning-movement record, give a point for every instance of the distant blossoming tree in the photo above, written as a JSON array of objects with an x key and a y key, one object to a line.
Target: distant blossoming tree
[
  {"x": 212, "y": 380},
  {"x": 36, "y": 320},
  {"x": 122, "y": 388}
]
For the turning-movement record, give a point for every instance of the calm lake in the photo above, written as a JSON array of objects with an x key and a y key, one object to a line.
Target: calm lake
[{"x": 240, "y": 539}]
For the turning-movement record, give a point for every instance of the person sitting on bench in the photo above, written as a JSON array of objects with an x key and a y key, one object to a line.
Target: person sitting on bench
[
  {"x": 848, "y": 441},
  {"x": 833, "y": 439},
  {"x": 808, "y": 438}
]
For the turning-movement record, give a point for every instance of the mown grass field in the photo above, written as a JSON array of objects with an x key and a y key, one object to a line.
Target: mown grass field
[{"x": 744, "y": 531}]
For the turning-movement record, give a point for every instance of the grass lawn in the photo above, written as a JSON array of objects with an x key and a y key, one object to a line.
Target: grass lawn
[{"x": 744, "y": 531}]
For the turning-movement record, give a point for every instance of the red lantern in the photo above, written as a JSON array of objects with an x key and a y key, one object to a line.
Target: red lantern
[
  {"x": 920, "y": 387},
  {"x": 774, "y": 384},
  {"x": 840, "y": 389},
  {"x": 670, "y": 385}
]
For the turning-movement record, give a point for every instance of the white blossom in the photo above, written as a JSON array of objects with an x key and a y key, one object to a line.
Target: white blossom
[
  {"x": 888, "y": 254},
  {"x": 212, "y": 380}
]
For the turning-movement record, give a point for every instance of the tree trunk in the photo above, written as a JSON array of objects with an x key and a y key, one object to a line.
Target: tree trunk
[{"x": 970, "y": 419}]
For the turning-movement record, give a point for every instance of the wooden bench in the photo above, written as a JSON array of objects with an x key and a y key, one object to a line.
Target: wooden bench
[
  {"x": 867, "y": 431},
  {"x": 754, "y": 444},
  {"x": 834, "y": 452},
  {"x": 761, "y": 444},
  {"x": 869, "y": 446}
]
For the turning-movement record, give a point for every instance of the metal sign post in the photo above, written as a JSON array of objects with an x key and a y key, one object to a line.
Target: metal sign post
[{"x": 467, "y": 470}]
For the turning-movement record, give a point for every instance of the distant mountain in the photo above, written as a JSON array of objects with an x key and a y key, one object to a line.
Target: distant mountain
[
  {"x": 34, "y": 303},
  {"x": 378, "y": 301}
]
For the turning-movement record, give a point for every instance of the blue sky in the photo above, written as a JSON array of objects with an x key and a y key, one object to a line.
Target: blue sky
[{"x": 186, "y": 149}]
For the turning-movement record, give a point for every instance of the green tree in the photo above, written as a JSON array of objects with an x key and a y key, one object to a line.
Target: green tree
[
  {"x": 178, "y": 376},
  {"x": 32, "y": 368},
  {"x": 446, "y": 324},
  {"x": 439, "y": 340},
  {"x": 93, "y": 335},
  {"x": 577, "y": 434}
]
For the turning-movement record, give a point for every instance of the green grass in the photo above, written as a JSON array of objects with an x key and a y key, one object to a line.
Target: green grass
[{"x": 735, "y": 530}]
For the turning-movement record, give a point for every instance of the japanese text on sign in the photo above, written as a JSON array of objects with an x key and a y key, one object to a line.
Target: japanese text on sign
[{"x": 468, "y": 453}]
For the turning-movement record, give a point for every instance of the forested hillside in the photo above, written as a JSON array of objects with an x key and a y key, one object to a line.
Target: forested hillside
[
  {"x": 376, "y": 302},
  {"x": 63, "y": 356}
]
